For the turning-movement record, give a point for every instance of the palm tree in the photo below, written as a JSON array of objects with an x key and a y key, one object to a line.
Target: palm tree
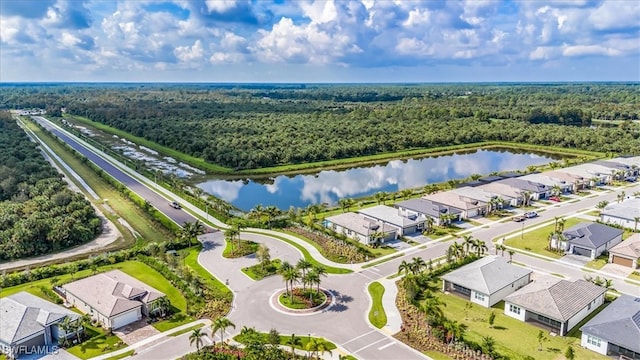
[
  {"x": 431, "y": 307},
  {"x": 162, "y": 305},
  {"x": 320, "y": 271},
  {"x": 196, "y": 337},
  {"x": 230, "y": 233},
  {"x": 304, "y": 266},
  {"x": 480, "y": 247},
  {"x": 511, "y": 253},
  {"x": 380, "y": 197},
  {"x": 312, "y": 278},
  {"x": 526, "y": 198},
  {"x": 271, "y": 212},
  {"x": 406, "y": 193},
  {"x": 191, "y": 230},
  {"x": 316, "y": 345},
  {"x": 263, "y": 255},
  {"x": 561, "y": 223},
  {"x": 417, "y": 265},
  {"x": 636, "y": 219},
  {"x": 556, "y": 190},
  {"x": 404, "y": 267},
  {"x": 221, "y": 324},
  {"x": 343, "y": 204},
  {"x": 67, "y": 325},
  {"x": 429, "y": 224},
  {"x": 294, "y": 341},
  {"x": 289, "y": 275}
]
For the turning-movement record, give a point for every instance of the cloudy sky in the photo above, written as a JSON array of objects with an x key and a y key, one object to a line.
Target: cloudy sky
[{"x": 319, "y": 41}]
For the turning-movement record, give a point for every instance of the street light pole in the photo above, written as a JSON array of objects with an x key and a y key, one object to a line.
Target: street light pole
[
  {"x": 522, "y": 233},
  {"x": 206, "y": 209}
]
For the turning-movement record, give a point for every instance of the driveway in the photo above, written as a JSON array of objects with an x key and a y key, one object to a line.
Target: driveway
[
  {"x": 575, "y": 260},
  {"x": 136, "y": 331},
  {"x": 616, "y": 269}
]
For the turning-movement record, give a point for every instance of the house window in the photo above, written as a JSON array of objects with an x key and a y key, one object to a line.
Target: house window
[
  {"x": 514, "y": 309},
  {"x": 349, "y": 232},
  {"x": 589, "y": 306},
  {"x": 479, "y": 296},
  {"x": 593, "y": 340}
]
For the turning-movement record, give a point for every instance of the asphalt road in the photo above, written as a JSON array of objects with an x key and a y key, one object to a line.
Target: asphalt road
[{"x": 159, "y": 202}]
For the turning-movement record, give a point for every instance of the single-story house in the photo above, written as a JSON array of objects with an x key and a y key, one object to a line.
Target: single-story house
[
  {"x": 486, "y": 281},
  {"x": 588, "y": 239},
  {"x": 619, "y": 170},
  {"x": 28, "y": 324},
  {"x": 423, "y": 208},
  {"x": 391, "y": 216},
  {"x": 594, "y": 174},
  {"x": 627, "y": 252},
  {"x": 632, "y": 161},
  {"x": 504, "y": 190},
  {"x": 549, "y": 182},
  {"x": 538, "y": 191},
  {"x": 623, "y": 213},
  {"x": 578, "y": 182},
  {"x": 490, "y": 178},
  {"x": 113, "y": 298},
  {"x": 615, "y": 331},
  {"x": 357, "y": 226},
  {"x": 468, "y": 207},
  {"x": 478, "y": 193},
  {"x": 554, "y": 303}
]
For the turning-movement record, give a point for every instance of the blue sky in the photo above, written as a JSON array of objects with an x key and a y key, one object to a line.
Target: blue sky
[{"x": 319, "y": 41}]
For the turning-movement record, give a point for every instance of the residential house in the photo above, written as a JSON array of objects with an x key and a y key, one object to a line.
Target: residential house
[
  {"x": 468, "y": 207},
  {"x": 358, "y": 227},
  {"x": 388, "y": 215},
  {"x": 506, "y": 191},
  {"x": 113, "y": 298},
  {"x": 615, "y": 331},
  {"x": 594, "y": 174},
  {"x": 490, "y": 178},
  {"x": 632, "y": 161},
  {"x": 28, "y": 324},
  {"x": 493, "y": 200},
  {"x": 423, "y": 208},
  {"x": 549, "y": 182},
  {"x": 486, "y": 281},
  {"x": 537, "y": 190},
  {"x": 578, "y": 182},
  {"x": 625, "y": 213},
  {"x": 553, "y": 303},
  {"x": 620, "y": 171},
  {"x": 588, "y": 239},
  {"x": 626, "y": 253}
]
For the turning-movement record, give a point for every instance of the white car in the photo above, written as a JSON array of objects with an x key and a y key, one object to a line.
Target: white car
[
  {"x": 530, "y": 214},
  {"x": 175, "y": 205}
]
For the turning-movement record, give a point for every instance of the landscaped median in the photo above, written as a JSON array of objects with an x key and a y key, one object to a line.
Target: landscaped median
[{"x": 377, "y": 316}]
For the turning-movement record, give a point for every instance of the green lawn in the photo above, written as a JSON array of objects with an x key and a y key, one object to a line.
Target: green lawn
[
  {"x": 377, "y": 316},
  {"x": 304, "y": 339},
  {"x": 513, "y": 338},
  {"x": 300, "y": 300},
  {"x": 184, "y": 331},
  {"x": 191, "y": 260},
  {"x": 239, "y": 248},
  {"x": 99, "y": 344},
  {"x": 259, "y": 271},
  {"x": 597, "y": 263},
  {"x": 307, "y": 256},
  {"x": 122, "y": 356},
  {"x": 635, "y": 275},
  {"x": 537, "y": 240},
  {"x": 382, "y": 261},
  {"x": 436, "y": 355}
]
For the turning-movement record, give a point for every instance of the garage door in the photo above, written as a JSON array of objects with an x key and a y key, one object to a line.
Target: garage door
[
  {"x": 622, "y": 261},
  {"x": 32, "y": 345},
  {"x": 125, "y": 319},
  {"x": 581, "y": 251}
]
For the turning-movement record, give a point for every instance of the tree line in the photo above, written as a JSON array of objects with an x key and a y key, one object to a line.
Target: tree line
[{"x": 38, "y": 213}]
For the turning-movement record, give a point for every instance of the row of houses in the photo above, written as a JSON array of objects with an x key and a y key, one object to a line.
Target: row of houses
[
  {"x": 554, "y": 304},
  {"x": 112, "y": 299},
  {"x": 477, "y": 198}
]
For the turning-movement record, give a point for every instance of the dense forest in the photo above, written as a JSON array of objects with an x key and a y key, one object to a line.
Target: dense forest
[
  {"x": 38, "y": 213},
  {"x": 256, "y": 126}
]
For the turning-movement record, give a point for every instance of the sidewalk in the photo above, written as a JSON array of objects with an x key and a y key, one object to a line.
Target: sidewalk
[{"x": 152, "y": 340}]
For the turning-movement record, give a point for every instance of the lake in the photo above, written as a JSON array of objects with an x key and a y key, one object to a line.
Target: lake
[{"x": 330, "y": 185}]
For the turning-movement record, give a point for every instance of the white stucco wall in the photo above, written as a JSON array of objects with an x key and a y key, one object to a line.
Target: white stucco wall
[
  {"x": 584, "y": 312},
  {"x": 506, "y": 291},
  {"x": 515, "y": 315},
  {"x": 484, "y": 301},
  {"x": 602, "y": 349},
  {"x": 629, "y": 224}
]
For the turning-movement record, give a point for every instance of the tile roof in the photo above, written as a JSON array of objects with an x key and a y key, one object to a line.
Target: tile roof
[
  {"x": 113, "y": 292},
  {"x": 503, "y": 189},
  {"x": 487, "y": 275},
  {"x": 629, "y": 247},
  {"x": 427, "y": 207},
  {"x": 555, "y": 298},
  {"x": 23, "y": 314},
  {"x": 628, "y": 209},
  {"x": 478, "y": 193},
  {"x": 388, "y": 215},
  {"x": 525, "y": 185},
  {"x": 360, "y": 224},
  {"x": 618, "y": 323},
  {"x": 454, "y": 200},
  {"x": 591, "y": 235}
]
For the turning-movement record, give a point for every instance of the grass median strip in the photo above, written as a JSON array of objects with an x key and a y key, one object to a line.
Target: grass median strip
[
  {"x": 377, "y": 316},
  {"x": 382, "y": 261},
  {"x": 305, "y": 253},
  {"x": 184, "y": 331}
]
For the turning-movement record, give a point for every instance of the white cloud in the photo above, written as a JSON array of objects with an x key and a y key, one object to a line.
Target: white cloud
[
  {"x": 583, "y": 50},
  {"x": 69, "y": 40},
  {"x": 189, "y": 53},
  {"x": 220, "y": 6}
]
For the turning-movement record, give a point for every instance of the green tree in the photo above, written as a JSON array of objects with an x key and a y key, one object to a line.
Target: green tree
[
  {"x": 570, "y": 354},
  {"x": 294, "y": 342},
  {"x": 221, "y": 324},
  {"x": 196, "y": 337}
]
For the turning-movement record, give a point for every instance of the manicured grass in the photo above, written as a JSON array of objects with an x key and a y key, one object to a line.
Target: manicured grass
[
  {"x": 436, "y": 355},
  {"x": 598, "y": 263},
  {"x": 514, "y": 338},
  {"x": 191, "y": 260},
  {"x": 259, "y": 271},
  {"x": 304, "y": 339},
  {"x": 537, "y": 240},
  {"x": 121, "y": 356},
  {"x": 377, "y": 316},
  {"x": 307, "y": 256},
  {"x": 558, "y": 275},
  {"x": 184, "y": 331},
  {"x": 239, "y": 248},
  {"x": 634, "y": 275},
  {"x": 300, "y": 299},
  {"x": 382, "y": 261},
  {"x": 123, "y": 207},
  {"x": 99, "y": 344}
]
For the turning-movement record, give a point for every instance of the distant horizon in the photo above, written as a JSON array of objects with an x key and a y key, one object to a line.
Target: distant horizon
[
  {"x": 319, "y": 41},
  {"x": 325, "y": 83}
]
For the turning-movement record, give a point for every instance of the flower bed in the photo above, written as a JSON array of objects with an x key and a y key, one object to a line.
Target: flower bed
[
  {"x": 302, "y": 299},
  {"x": 341, "y": 251}
]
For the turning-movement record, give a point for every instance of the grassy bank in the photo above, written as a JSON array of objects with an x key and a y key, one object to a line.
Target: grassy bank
[{"x": 331, "y": 164}]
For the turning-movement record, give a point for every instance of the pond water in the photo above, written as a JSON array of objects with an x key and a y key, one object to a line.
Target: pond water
[{"x": 328, "y": 186}]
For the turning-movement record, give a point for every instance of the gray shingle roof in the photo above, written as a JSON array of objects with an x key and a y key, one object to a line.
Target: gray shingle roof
[
  {"x": 618, "y": 323},
  {"x": 112, "y": 292},
  {"x": 23, "y": 315},
  {"x": 591, "y": 235},
  {"x": 427, "y": 207},
  {"x": 487, "y": 275},
  {"x": 555, "y": 298},
  {"x": 525, "y": 185},
  {"x": 389, "y": 215},
  {"x": 628, "y": 209},
  {"x": 359, "y": 224}
]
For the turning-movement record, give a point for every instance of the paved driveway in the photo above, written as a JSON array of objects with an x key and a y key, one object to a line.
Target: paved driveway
[
  {"x": 575, "y": 259},
  {"x": 616, "y": 269},
  {"x": 136, "y": 331}
]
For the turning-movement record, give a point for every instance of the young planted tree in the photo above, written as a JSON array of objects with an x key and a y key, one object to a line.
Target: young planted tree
[
  {"x": 197, "y": 337},
  {"x": 221, "y": 324}
]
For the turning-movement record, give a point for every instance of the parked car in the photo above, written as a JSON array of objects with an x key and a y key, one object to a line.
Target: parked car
[
  {"x": 519, "y": 218},
  {"x": 631, "y": 179},
  {"x": 175, "y": 205},
  {"x": 530, "y": 214},
  {"x": 555, "y": 198}
]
